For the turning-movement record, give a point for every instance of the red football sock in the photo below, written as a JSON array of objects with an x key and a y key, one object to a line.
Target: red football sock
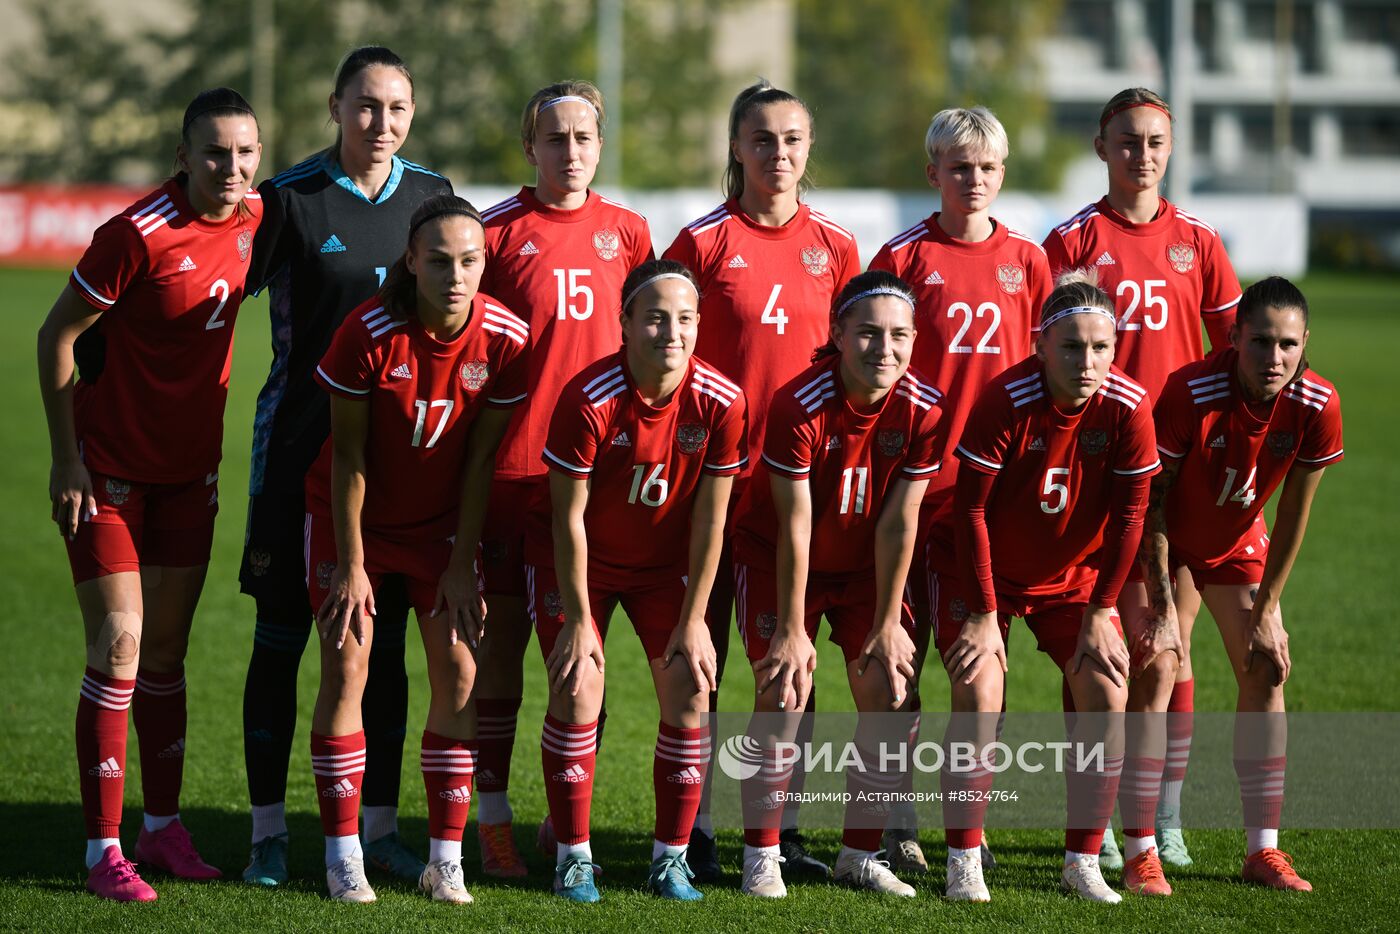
[
  {"x": 762, "y": 800},
  {"x": 158, "y": 710},
  {"x": 865, "y": 819},
  {"x": 678, "y": 776},
  {"x": 447, "y": 766},
  {"x": 495, "y": 738},
  {"x": 1091, "y": 793},
  {"x": 1137, "y": 795},
  {"x": 1261, "y": 790},
  {"x": 1180, "y": 722},
  {"x": 101, "y": 734},
  {"x": 568, "y": 753},
  {"x": 965, "y": 804},
  {"x": 339, "y": 765}
]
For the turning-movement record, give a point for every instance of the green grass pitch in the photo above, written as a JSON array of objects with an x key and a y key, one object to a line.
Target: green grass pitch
[{"x": 1341, "y": 641}]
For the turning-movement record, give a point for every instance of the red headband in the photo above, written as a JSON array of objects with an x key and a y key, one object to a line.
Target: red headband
[{"x": 1122, "y": 107}]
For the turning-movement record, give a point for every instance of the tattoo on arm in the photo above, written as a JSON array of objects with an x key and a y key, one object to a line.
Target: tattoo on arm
[{"x": 1153, "y": 550}]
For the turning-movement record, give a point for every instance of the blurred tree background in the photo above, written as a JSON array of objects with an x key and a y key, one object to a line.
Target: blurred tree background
[{"x": 97, "y": 105}]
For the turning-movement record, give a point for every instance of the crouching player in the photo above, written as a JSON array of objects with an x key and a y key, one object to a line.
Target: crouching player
[
  {"x": 1231, "y": 429},
  {"x": 1057, "y": 457},
  {"x": 642, "y": 451},
  {"x": 429, "y": 370},
  {"x": 827, "y": 528}
]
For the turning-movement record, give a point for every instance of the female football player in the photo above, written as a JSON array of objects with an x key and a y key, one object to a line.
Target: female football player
[
  {"x": 979, "y": 286},
  {"x": 1168, "y": 273},
  {"x": 336, "y": 223},
  {"x": 1056, "y": 459},
  {"x": 828, "y": 528},
  {"x": 148, "y": 319},
  {"x": 1232, "y": 429},
  {"x": 642, "y": 450},
  {"x": 558, "y": 252},
  {"x": 768, "y": 267},
  {"x": 429, "y": 369}
]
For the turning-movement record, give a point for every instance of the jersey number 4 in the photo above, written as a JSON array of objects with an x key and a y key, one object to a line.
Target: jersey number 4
[{"x": 772, "y": 314}]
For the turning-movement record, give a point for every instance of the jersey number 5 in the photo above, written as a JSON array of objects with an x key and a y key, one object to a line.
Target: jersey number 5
[{"x": 1058, "y": 492}]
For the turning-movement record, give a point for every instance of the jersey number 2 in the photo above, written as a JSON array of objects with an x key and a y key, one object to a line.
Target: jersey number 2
[{"x": 218, "y": 290}]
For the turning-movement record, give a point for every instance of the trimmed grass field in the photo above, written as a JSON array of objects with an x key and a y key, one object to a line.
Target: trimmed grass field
[{"x": 1342, "y": 644}]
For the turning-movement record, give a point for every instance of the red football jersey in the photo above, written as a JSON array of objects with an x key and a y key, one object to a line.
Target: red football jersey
[
  {"x": 1233, "y": 455},
  {"x": 563, "y": 272},
  {"x": 849, "y": 458},
  {"x": 1166, "y": 277},
  {"x": 976, "y": 306},
  {"x": 765, "y": 295},
  {"x": 169, "y": 285},
  {"x": 643, "y": 462},
  {"x": 1054, "y": 471},
  {"x": 423, "y": 395}
]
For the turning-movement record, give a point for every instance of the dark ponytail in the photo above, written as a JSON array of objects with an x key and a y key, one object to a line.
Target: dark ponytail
[
  {"x": 750, "y": 99},
  {"x": 1273, "y": 292}
]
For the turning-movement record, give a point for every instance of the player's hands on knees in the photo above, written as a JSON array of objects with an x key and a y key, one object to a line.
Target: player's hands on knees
[
  {"x": 463, "y": 605},
  {"x": 691, "y": 638},
  {"x": 70, "y": 491},
  {"x": 1100, "y": 642},
  {"x": 1158, "y": 634},
  {"x": 789, "y": 664},
  {"x": 1270, "y": 640},
  {"x": 348, "y": 607},
  {"x": 576, "y": 645},
  {"x": 890, "y": 645},
  {"x": 979, "y": 643}
]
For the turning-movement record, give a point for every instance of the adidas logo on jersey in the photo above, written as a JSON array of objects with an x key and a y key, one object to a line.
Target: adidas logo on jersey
[
  {"x": 833, "y": 442},
  {"x": 689, "y": 775},
  {"x": 333, "y": 245},
  {"x": 933, "y": 278},
  {"x": 175, "y": 750},
  {"x": 573, "y": 774},
  {"x": 1105, "y": 260},
  {"x": 460, "y": 795},
  {"x": 738, "y": 262},
  {"x": 341, "y": 789},
  {"x": 187, "y": 265},
  {"x": 1218, "y": 441},
  {"x": 1037, "y": 444},
  {"x": 107, "y": 768},
  {"x": 621, "y": 440},
  {"x": 401, "y": 372},
  {"x": 529, "y": 249}
]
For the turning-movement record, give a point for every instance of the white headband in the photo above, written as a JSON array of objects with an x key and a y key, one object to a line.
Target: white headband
[
  {"x": 878, "y": 290},
  {"x": 657, "y": 278},
  {"x": 570, "y": 98},
  {"x": 1077, "y": 310}
]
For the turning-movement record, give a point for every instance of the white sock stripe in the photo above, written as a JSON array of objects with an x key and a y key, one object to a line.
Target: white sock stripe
[
  {"x": 103, "y": 702},
  {"x": 567, "y": 738},
  {"x": 684, "y": 760},
  {"x": 436, "y": 755},
  {"x": 335, "y": 756},
  {"x": 570, "y": 752},
  {"x": 339, "y": 773},
  {"x": 105, "y": 690}
]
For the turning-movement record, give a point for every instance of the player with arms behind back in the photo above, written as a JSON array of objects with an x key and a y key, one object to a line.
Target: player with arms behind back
[
  {"x": 1169, "y": 274},
  {"x": 768, "y": 267},
  {"x": 827, "y": 529},
  {"x": 422, "y": 380},
  {"x": 1056, "y": 459},
  {"x": 1231, "y": 429},
  {"x": 148, "y": 314},
  {"x": 336, "y": 222},
  {"x": 642, "y": 451},
  {"x": 556, "y": 252},
  {"x": 979, "y": 287}
]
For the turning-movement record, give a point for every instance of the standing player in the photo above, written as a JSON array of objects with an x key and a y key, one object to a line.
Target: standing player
[
  {"x": 336, "y": 223},
  {"x": 1232, "y": 429},
  {"x": 1168, "y": 273},
  {"x": 558, "y": 253},
  {"x": 642, "y": 450},
  {"x": 828, "y": 528},
  {"x": 134, "y": 484},
  {"x": 429, "y": 370},
  {"x": 768, "y": 268},
  {"x": 979, "y": 287},
  {"x": 1057, "y": 457}
]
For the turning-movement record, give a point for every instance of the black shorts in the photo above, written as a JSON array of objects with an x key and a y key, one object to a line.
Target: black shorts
[{"x": 274, "y": 551}]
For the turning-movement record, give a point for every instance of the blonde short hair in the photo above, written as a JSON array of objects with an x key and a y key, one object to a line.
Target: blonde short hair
[{"x": 974, "y": 128}]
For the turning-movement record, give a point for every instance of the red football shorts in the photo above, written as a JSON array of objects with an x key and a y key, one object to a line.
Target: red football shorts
[
  {"x": 848, "y": 605},
  {"x": 503, "y": 535},
  {"x": 652, "y": 602},
  {"x": 145, "y": 525},
  {"x": 1243, "y": 565},
  {"x": 420, "y": 563}
]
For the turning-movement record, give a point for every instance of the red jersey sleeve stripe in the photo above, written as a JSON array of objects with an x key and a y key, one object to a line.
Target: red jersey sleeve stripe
[
  {"x": 912, "y": 235},
  {"x": 785, "y": 469},
  {"x": 713, "y": 219},
  {"x": 608, "y": 376},
  {"x": 510, "y": 401},
  {"x": 1129, "y": 401},
  {"x": 1219, "y": 308},
  {"x": 385, "y": 328},
  {"x": 718, "y": 378},
  {"x": 96, "y": 295},
  {"x": 354, "y": 392},
  {"x": 713, "y": 392},
  {"x": 1321, "y": 391},
  {"x": 830, "y": 224},
  {"x": 914, "y": 397},
  {"x": 982, "y": 462},
  {"x": 1077, "y": 221},
  {"x": 924, "y": 471},
  {"x": 1193, "y": 219},
  {"x": 1137, "y": 471},
  {"x": 1322, "y": 460},
  {"x": 737, "y": 465},
  {"x": 1172, "y": 454},
  {"x": 500, "y": 208},
  {"x": 1020, "y": 236},
  {"x": 565, "y": 465},
  {"x": 923, "y": 388}
]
